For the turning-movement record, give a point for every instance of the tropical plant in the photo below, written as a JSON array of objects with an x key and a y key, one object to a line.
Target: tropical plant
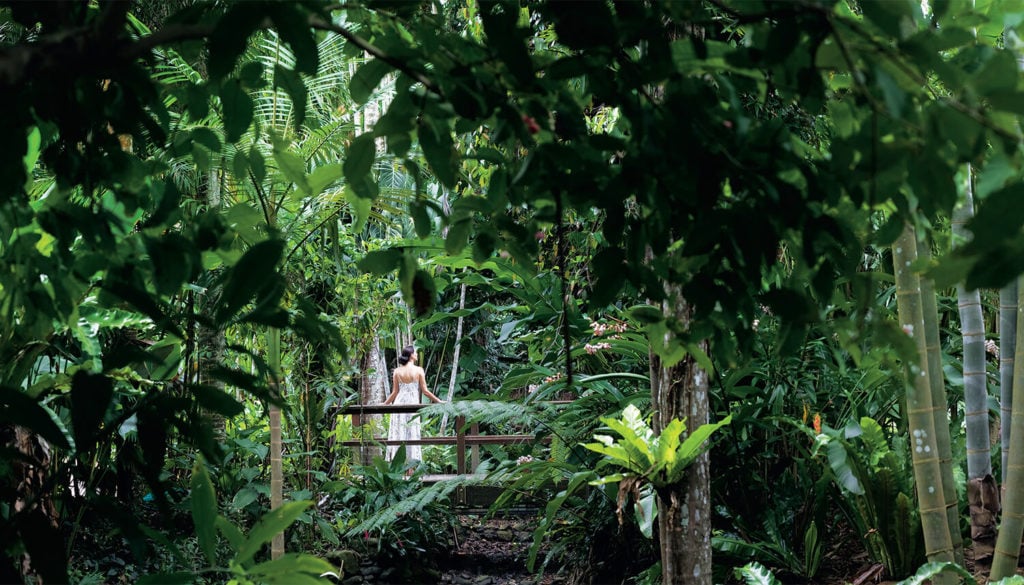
[
  {"x": 877, "y": 487},
  {"x": 386, "y": 513},
  {"x": 242, "y": 549}
]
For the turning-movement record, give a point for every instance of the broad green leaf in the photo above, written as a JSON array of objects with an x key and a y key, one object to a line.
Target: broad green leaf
[
  {"x": 207, "y": 138},
  {"x": 438, "y": 149},
  {"x": 91, "y": 395},
  {"x": 646, "y": 313},
  {"x": 928, "y": 571},
  {"x": 271, "y": 524},
  {"x": 237, "y": 110},
  {"x": 293, "y": 25},
  {"x": 694, "y": 445},
  {"x": 216, "y": 400},
  {"x": 424, "y": 293},
  {"x": 359, "y": 158},
  {"x": 230, "y": 36},
  {"x": 292, "y": 167},
  {"x": 328, "y": 531},
  {"x": 33, "y": 143},
  {"x": 18, "y": 408},
  {"x": 322, "y": 177},
  {"x": 293, "y": 563},
  {"x": 253, "y": 273},
  {"x": 366, "y": 79},
  {"x": 754, "y": 573},
  {"x": 839, "y": 460},
  {"x": 231, "y": 532},
  {"x": 421, "y": 218},
  {"x": 458, "y": 236},
  {"x": 381, "y": 261},
  {"x": 204, "y": 510},
  {"x": 361, "y": 208}
]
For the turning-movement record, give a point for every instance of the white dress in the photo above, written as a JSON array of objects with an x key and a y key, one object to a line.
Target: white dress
[{"x": 406, "y": 426}]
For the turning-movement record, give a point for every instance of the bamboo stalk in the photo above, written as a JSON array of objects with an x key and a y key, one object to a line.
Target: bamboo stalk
[
  {"x": 937, "y": 383},
  {"x": 920, "y": 413},
  {"x": 1011, "y": 529},
  {"x": 1007, "y": 365}
]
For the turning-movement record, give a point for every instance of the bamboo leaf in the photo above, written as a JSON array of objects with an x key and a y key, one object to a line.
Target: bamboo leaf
[
  {"x": 204, "y": 510},
  {"x": 272, "y": 523}
]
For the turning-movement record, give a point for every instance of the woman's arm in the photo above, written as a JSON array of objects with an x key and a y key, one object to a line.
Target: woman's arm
[
  {"x": 423, "y": 387},
  {"x": 394, "y": 389}
]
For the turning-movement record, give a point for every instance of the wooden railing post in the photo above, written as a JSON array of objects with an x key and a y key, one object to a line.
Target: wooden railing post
[
  {"x": 475, "y": 430},
  {"x": 460, "y": 445}
]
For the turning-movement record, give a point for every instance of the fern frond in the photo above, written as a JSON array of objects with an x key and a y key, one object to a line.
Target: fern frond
[
  {"x": 437, "y": 493},
  {"x": 493, "y": 412}
]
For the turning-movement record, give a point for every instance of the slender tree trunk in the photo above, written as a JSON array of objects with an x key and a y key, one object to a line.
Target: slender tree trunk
[
  {"x": 1007, "y": 365},
  {"x": 982, "y": 497},
  {"x": 937, "y": 380},
  {"x": 210, "y": 339},
  {"x": 920, "y": 409},
  {"x": 373, "y": 390},
  {"x": 455, "y": 356},
  {"x": 1011, "y": 528},
  {"x": 276, "y": 446},
  {"x": 684, "y": 510}
]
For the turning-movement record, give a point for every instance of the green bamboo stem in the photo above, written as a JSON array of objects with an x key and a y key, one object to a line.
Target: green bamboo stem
[
  {"x": 972, "y": 328},
  {"x": 920, "y": 411},
  {"x": 937, "y": 383},
  {"x": 1007, "y": 552},
  {"x": 1007, "y": 365}
]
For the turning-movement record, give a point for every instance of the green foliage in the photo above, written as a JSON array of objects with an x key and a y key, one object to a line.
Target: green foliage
[
  {"x": 387, "y": 512},
  {"x": 878, "y": 491},
  {"x": 660, "y": 460},
  {"x": 928, "y": 571},
  {"x": 756, "y": 574},
  {"x": 241, "y": 564}
]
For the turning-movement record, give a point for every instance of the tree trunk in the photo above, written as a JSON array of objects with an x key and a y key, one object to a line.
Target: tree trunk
[
  {"x": 455, "y": 356},
  {"x": 937, "y": 383},
  {"x": 210, "y": 339},
  {"x": 373, "y": 389},
  {"x": 684, "y": 510},
  {"x": 919, "y": 408},
  {"x": 983, "y": 500},
  {"x": 1007, "y": 553},
  {"x": 276, "y": 445},
  {"x": 1007, "y": 365}
]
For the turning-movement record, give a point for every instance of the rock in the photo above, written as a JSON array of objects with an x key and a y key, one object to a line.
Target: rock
[{"x": 354, "y": 580}]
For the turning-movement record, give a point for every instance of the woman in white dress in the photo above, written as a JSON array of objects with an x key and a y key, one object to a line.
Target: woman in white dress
[{"x": 409, "y": 385}]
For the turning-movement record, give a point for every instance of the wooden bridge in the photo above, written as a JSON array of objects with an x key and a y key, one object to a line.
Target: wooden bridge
[{"x": 467, "y": 443}]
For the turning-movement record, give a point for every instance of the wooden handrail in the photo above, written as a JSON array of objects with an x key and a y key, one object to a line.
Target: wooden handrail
[{"x": 461, "y": 440}]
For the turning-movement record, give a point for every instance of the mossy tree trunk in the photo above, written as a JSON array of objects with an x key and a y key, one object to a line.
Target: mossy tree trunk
[{"x": 684, "y": 510}]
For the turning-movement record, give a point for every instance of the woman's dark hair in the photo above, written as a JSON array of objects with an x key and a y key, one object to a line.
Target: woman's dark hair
[{"x": 407, "y": 352}]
